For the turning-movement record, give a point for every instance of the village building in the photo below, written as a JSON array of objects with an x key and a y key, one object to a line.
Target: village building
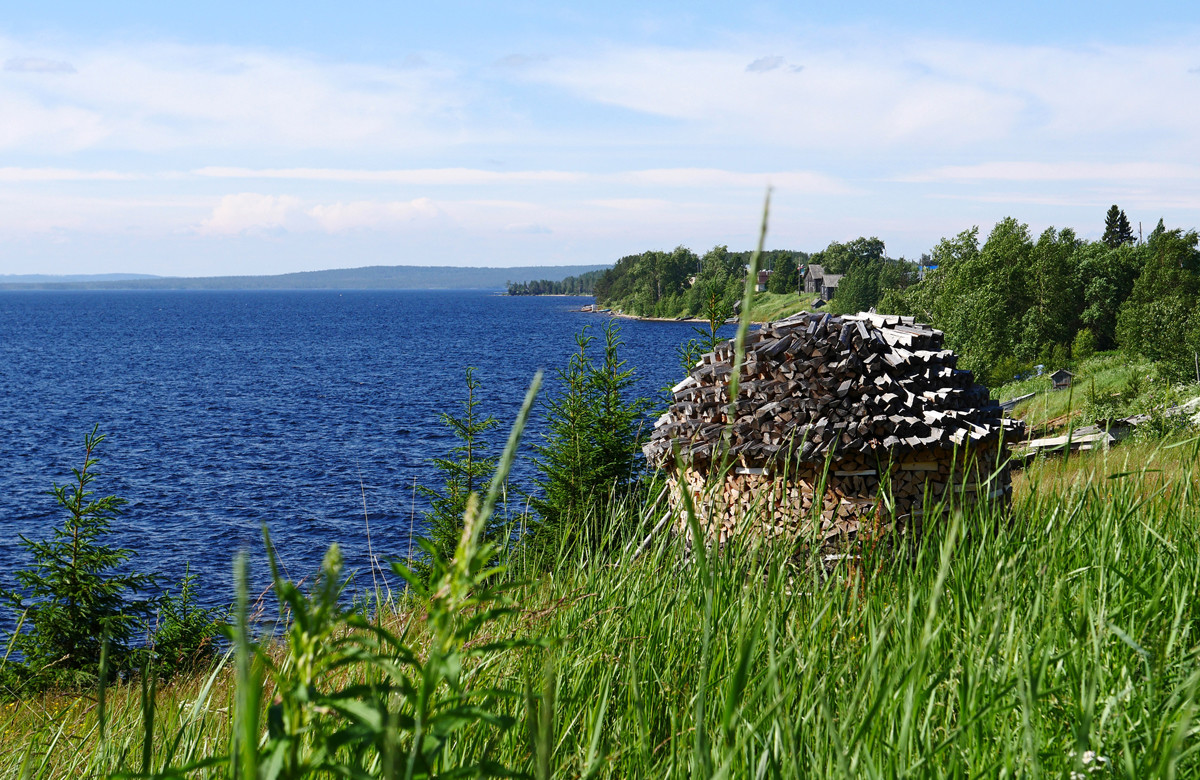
[
  {"x": 843, "y": 425},
  {"x": 817, "y": 282},
  {"x": 1061, "y": 379}
]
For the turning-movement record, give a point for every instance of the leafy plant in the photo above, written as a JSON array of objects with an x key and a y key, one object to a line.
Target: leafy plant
[
  {"x": 75, "y": 597},
  {"x": 405, "y": 713}
]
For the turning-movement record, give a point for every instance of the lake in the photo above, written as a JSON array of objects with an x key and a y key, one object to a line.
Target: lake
[{"x": 227, "y": 410}]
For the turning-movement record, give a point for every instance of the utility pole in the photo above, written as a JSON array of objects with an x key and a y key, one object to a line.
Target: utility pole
[{"x": 1139, "y": 232}]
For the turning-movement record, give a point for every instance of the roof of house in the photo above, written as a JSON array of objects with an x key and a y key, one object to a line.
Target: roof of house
[
  {"x": 1061, "y": 373},
  {"x": 831, "y": 280},
  {"x": 816, "y": 383}
]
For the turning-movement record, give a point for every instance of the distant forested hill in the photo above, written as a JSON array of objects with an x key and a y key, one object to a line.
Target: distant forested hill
[
  {"x": 584, "y": 284},
  {"x": 376, "y": 277},
  {"x": 52, "y": 279}
]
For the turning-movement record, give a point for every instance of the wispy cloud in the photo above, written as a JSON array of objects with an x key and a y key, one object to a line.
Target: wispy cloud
[
  {"x": 22, "y": 175},
  {"x": 161, "y": 97},
  {"x": 251, "y": 212},
  {"x": 764, "y": 64},
  {"x": 528, "y": 228},
  {"x": 806, "y": 181},
  {"x": 425, "y": 176},
  {"x": 360, "y": 215},
  {"x": 874, "y": 96},
  {"x": 37, "y": 65},
  {"x": 1066, "y": 171}
]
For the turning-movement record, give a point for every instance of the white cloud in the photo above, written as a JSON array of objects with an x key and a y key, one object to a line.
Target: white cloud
[
  {"x": 872, "y": 96},
  {"x": 153, "y": 98},
  {"x": 250, "y": 212},
  {"x": 363, "y": 214}
]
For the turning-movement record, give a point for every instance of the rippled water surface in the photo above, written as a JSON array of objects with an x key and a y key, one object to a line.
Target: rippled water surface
[{"x": 227, "y": 410}]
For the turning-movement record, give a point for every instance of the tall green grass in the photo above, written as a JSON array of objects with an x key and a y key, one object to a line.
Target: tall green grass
[{"x": 1060, "y": 636}]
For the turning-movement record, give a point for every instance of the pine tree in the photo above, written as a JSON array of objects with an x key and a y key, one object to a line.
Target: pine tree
[
  {"x": 74, "y": 594},
  {"x": 591, "y": 449},
  {"x": 465, "y": 471},
  {"x": 1117, "y": 231}
]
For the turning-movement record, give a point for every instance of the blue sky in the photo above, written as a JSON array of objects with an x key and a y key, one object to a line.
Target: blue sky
[{"x": 223, "y": 138}]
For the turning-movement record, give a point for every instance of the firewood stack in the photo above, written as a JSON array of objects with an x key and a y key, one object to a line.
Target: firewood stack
[{"x": 868, "y": 405}]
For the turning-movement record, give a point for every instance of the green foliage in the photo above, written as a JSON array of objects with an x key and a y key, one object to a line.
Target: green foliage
[
  {"x": 679, "y": 283},
  {"x": 784, "y": 275},
  {"x": 1106, "y": 277},
  {"x": 1084, "y": 345},
  {"x": 584, "y": 284},
  {"x": 413, "y": 711},
  {"x": 75, "y": 595},
  {"x": 590, "y": 451},
  {"x": 465, "y": 471},
  {"x": 868, "y": 280},
  {"x": 977, "y": 296},
  {"x": 1040, "y": 641},
  {"x": 1053, "y": 289},
  {"x": 715, "y": 314},
  {"x": 1161, "y": 318},
  {"x": 1117, "y": 231},
  {"x": 1007, "y": 369},
  {"x": 838, "y": 258},
  {"x": 185, "y": 634}
]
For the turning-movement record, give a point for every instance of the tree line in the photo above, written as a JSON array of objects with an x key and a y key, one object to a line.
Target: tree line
[
  {"x": 1016, "y": 300},
  {"x": 682, "y": 283},
  {"x": 583, "y": 284}
]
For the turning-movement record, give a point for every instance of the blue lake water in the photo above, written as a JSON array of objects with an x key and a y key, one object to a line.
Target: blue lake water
[{"x": 227, "y": 410}]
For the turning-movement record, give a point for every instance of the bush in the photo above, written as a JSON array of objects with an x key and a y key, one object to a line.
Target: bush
[
  {"x": 1084, "y": 345},
  {"x": 184, "y": 638},
  {"x": 1006, "y": 370}
]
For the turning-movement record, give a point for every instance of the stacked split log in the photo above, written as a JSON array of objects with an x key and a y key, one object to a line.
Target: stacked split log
[{"x": 839, "y": 422}]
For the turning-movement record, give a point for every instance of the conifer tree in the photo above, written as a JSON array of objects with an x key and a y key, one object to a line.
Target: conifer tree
[
  {"x": 591, "y": 448},
  {"x": 1117, "y": 231},
  {"x": 74, "y": 596},
  {"x": 464, "y": 471}
]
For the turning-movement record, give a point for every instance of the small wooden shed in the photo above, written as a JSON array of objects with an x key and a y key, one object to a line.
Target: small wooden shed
[
  {"x": 842, "y": 424},
  {"x": 1061, "y": 379}
]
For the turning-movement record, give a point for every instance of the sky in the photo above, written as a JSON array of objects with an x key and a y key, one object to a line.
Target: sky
[{"x": 218, "y": 138}]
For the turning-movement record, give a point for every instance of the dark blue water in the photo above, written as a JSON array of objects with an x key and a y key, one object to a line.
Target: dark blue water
[{"x": 227, "y": 410}]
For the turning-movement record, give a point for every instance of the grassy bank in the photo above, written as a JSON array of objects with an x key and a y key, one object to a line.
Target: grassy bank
[
  {"x": 1060, "y": 637},
  {"x": 1108, "y": 385},
  {"x": 767, "y": 306}
]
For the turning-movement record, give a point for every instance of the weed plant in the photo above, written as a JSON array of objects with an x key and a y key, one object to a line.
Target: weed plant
[{"x": 1057, "y": 638}]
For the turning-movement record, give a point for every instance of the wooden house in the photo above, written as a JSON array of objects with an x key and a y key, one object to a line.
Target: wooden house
[
  {"x": 842, "y": 425},
  {"x": 1061, "y": 379},
  {"x": 817, "y": 282}
]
